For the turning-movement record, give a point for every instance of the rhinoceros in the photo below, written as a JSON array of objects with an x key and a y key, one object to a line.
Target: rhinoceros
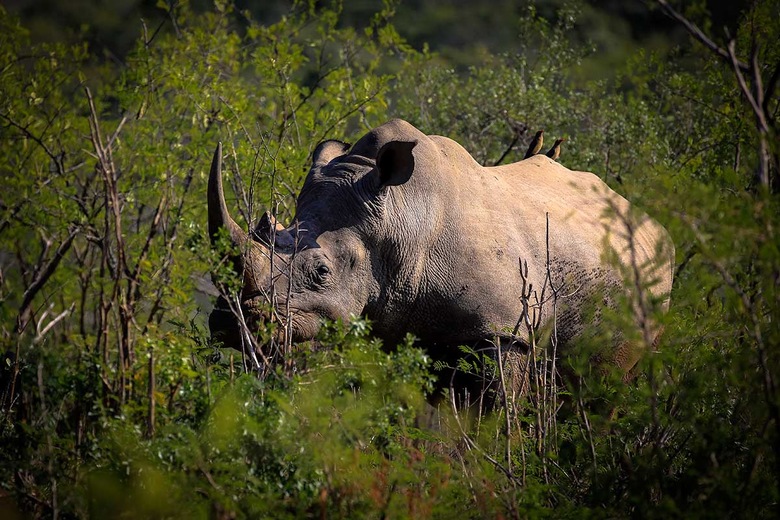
[{"x": 408, "y": 230}]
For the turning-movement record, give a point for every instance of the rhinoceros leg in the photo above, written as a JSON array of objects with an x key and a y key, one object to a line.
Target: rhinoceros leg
[{"x": 516, "y": 368}]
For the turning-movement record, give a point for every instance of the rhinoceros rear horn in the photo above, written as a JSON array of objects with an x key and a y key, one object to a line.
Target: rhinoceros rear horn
[
  {"x": 218, "y": 214},
  {"x": 395, "y": 163},
  {"x": 326, "y": 151}
]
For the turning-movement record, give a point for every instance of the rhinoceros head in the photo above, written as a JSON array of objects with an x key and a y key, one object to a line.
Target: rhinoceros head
[{"x": 321, "y": 266}]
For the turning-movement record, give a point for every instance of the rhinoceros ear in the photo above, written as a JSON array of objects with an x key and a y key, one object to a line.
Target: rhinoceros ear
[
  {"x": 267, "y": 225},
  {"x": 395, "y": 163},
  {"x": 326, "y": 151},
  {"x": 269, "y": 230}
]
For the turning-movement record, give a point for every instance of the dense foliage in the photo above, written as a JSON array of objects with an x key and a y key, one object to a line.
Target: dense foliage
[{"x": 114, "y": 402}]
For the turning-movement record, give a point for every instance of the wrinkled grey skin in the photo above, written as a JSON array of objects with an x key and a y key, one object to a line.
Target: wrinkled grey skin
[{"x": 409, "y": 231}]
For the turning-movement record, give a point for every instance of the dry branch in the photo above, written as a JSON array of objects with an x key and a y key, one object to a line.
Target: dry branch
[
  {"x": 698, "y": 34},
  {"x": 43, "y": 272},
  {"x": 752, "y": 90}
]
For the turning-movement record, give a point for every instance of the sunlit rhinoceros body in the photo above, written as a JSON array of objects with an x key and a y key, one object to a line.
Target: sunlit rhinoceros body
[{"x": 408, "y": 230}]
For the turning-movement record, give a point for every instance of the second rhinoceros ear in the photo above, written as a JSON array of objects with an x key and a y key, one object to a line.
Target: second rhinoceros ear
[
  {"x": 270, "y": 231},
  {"x": 326, "y": 151},
  {"x": 395, "y": 163}
]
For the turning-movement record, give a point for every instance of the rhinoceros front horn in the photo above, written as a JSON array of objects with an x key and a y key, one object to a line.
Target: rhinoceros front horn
[
  {"x": 218, "y": 214},
  {"x": 251, "y": 259}
]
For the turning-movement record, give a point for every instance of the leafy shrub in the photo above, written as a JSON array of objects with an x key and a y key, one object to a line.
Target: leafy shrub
[{"x": 114, "y": 402}]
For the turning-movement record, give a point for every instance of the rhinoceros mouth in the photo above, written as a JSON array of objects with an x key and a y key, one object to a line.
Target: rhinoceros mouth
[
  {"x": 226, "y": 328},
  {"x": 304, "y": 326}
]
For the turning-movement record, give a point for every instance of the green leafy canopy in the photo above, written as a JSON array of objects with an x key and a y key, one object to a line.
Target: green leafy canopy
[{"x": 115, "y": 403}]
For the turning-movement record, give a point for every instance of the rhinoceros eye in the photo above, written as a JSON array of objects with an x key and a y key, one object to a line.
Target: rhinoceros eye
[{"x": 321, "y": 272}]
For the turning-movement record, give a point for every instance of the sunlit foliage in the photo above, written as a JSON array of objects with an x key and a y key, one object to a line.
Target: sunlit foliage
[{"x": 114, "y": 402}]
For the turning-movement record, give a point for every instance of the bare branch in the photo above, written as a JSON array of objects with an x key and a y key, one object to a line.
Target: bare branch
[
  {"x": 474, "y": 446},
  {"x": 153, "y": 229},
  {"x": 45, "y": 330},
  {"x": 151, "y": 413},
  {"x": 757, "y": 110},
  {"x": 41, "y": 277},
  {"x": 770, "y": 89},
  {"x": 508, "y": 150},
  {"x": 698, "y": 34},
  {"x": 505, "y": 397},
  {"x": 54, "y": 157}
]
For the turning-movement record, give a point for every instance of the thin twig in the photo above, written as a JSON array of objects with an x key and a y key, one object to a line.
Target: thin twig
[
  {"x": 41, "y": 333},
  {"x": 698, "y": 34},
  {"x": 754, "y": 103},
  {"x": 473, "y": 445},
  {"x": 505, "y": 396},
  {"x": 43, "y": 273},
  {"x": 151, "y": 416}
]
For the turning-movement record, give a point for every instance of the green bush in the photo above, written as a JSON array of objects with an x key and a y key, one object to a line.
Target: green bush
[{"x": 115, "y": 404}]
